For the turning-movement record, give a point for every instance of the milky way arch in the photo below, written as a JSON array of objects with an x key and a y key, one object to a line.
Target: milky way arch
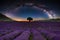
[{"x": 47, "y": 11}]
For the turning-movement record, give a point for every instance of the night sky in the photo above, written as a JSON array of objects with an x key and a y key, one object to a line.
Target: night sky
[{"x": 37, "y": 9}]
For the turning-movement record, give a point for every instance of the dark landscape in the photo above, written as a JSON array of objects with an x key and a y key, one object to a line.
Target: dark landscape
[{"x": 37, "y": 30}]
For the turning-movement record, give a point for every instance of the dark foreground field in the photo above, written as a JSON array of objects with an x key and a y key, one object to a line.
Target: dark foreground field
[{"x": 29, "y": 30}]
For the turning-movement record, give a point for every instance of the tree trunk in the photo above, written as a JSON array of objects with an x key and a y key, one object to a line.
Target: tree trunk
[{"x": 29, "y": 20}]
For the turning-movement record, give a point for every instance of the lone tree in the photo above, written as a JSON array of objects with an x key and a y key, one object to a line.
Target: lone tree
[{"x": 29, "y": 18}]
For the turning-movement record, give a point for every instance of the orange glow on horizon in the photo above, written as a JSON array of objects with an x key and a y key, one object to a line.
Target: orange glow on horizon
[{"x": 23, "y": 19}]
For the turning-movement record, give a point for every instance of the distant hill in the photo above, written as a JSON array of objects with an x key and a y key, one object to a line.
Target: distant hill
[
  {"x": 4, "y": 18},
  {"x": 57, "y": 19},
  {"x": 49, "y": 20}
]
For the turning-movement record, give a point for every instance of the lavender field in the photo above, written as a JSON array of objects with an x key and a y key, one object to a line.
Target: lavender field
[{"x": 29, "y": 30}]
